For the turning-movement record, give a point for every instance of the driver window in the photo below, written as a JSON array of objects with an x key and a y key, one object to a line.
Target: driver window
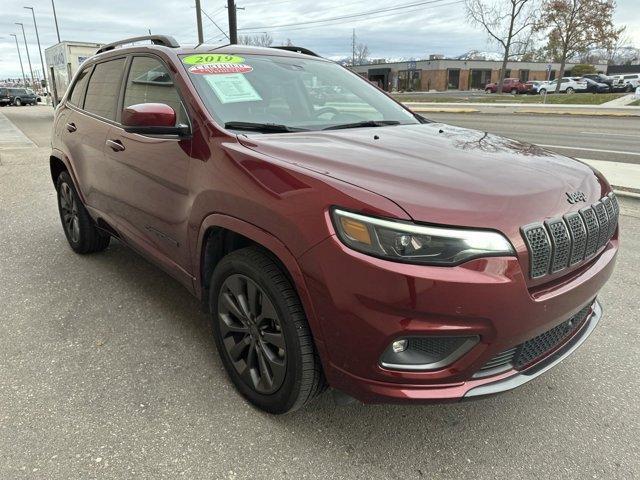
[{"x": 150, "y": 82}]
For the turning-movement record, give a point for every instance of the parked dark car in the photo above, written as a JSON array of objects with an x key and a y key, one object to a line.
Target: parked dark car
[
  {"x": 17, "y": 96},
  {"x": 600, "y": 78},
  {"x": 510, "y": 85},
  {"x": 595, "y": 87},
  {"x": 355, "y": 245}
]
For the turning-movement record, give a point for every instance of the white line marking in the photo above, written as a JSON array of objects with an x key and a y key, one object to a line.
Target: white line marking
[
  {"x": 589, "y": 149},
  {"x": 610, "y": 134}
]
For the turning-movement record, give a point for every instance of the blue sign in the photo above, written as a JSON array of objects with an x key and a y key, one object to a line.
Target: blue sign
[{"x": 412, "y": 65}]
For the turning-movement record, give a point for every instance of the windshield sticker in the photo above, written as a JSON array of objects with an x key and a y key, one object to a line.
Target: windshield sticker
[
  {"x": 233, "y": 88},
  {"x": 220, "y": 68},
  {"x": 206, "y": 59}
]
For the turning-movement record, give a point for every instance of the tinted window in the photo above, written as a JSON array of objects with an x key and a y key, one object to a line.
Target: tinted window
[
  {"x": 150, "y": 82},
  {"x": 77, "y": 94},
  {"x": 103, "y": 89}
]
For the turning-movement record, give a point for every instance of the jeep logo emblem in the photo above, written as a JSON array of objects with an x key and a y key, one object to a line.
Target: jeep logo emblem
[{"x": 575, "y": 197}]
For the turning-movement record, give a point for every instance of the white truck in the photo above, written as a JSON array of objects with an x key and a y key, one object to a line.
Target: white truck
[{"x": 63, "y": 61}]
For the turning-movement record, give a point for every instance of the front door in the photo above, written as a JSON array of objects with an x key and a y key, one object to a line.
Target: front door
[{"x": 149, "y": 175}]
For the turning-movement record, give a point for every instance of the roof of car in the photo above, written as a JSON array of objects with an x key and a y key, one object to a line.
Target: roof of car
[{"x": 225, "y": 49}]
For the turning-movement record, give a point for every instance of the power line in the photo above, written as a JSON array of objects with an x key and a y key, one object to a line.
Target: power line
[
  {"x": 328, "y": 22},
  {"x": 354, "y": 15},
  {"x": 213, "y": 21}
]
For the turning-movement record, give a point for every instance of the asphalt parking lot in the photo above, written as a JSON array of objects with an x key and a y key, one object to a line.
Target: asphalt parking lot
[{"x": 108, "y": 370}]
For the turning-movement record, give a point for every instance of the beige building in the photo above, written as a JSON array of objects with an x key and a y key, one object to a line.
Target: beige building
[{"x": 447, "y": 74}]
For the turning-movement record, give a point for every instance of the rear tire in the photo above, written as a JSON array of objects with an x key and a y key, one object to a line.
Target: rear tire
[
  {"x": 570, "y": 91},
  {"x": 79, "y": 228},
  {"x": 262, "y": 334},
  {"x": 514, "y": 91},
  {"x": 488, "y": 90}
]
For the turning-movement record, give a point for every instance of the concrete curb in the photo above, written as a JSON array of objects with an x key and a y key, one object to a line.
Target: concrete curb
[
  {"x": 626, "y": 193},
  {"x": 589, "y": 113}
]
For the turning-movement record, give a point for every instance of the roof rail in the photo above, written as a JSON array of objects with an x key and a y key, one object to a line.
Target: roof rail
[
  {"x": 302, "y": 50},
  {"x": 163, "y": 40}
]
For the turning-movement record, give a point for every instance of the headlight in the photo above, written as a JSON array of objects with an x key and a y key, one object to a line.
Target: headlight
[{"x": 411, "y": 243}]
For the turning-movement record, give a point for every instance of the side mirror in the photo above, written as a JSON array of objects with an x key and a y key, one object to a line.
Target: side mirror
[{"x": 152, "y": 119}]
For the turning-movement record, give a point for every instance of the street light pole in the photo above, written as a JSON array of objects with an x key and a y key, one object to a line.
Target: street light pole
[
  {"x": 24, "y": 78},
  {"x": 199, "y": 21},
  {"x": 46, "y": 84},
  {"x": 24, "y": 35},
  {"x": 233, "y": 22},
  {"x": 55, "y": 19}
]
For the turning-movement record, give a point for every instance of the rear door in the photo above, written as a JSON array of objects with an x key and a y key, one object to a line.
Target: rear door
[
  {"x": 86, "y": 127},
  {"x": 150, "y": 197}
]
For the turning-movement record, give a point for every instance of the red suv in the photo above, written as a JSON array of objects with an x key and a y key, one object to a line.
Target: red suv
[
  {"x": 509, "y": 85},
  {"x": 350, "y": 243}
]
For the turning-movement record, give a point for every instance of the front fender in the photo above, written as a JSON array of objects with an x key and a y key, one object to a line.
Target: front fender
[{"x": 269, "y": 242}]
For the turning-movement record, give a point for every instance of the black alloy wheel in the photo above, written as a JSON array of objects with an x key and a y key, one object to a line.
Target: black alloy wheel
[
  {"x": 261, "y": 332},
  {"x": 252, "y": 334},
  {"x": 81, "y": 231},
  {"x": 69, "y": 213}
]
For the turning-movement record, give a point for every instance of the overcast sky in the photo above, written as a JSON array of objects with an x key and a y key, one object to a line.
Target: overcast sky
[{"x": 412, "y": 32}]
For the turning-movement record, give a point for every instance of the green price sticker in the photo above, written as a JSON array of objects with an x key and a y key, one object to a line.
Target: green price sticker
[{"x": 207, "y": 58}]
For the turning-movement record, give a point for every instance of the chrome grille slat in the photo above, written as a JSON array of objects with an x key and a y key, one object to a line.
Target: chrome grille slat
[
  {"x": 566, "y": 241},
  {"x": 539, "y": 247},
  {"x": 608, "y": 206},
  {"x": 578, "y": 233},
  {"x": 560, "y": 243},
  {"x": 593, "y": 229},
  {"x": 603, "y": 220}
]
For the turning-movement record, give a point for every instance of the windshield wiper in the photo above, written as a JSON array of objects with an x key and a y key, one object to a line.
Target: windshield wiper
[
  {"x": 262, "y": 127},
  {"x": 365, "y": 123}
]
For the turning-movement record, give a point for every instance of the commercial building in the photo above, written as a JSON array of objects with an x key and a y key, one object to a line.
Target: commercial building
[
  {"x": 63, "y": 61},
  {"x": 451, "y": 74}
]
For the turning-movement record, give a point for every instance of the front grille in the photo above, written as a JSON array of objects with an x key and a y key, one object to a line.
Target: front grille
[
  {"x": 523, "y": 355},
  {"x": 562, "y": 242}
]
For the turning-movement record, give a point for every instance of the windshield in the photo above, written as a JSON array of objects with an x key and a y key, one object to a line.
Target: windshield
[{"x": 293, "y": 93}]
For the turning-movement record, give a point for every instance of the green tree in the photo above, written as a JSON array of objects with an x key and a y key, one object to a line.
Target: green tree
[{"x": 575, "y": 26}]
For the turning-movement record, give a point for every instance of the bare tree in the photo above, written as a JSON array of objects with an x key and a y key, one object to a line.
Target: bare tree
[
  {"x": 507, "y": 23},
  {"x": 288, "y": 43},
  {"x": 577, "y": 25},
  {"x": 262, "y": 40},
  {"x": 361, "y": 54}
]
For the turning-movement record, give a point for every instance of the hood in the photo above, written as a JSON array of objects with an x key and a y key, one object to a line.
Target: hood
[{"x": 443, "y": 174}]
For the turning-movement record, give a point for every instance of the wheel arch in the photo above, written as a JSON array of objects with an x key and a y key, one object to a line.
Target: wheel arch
[{"x": 221, "y": 234}]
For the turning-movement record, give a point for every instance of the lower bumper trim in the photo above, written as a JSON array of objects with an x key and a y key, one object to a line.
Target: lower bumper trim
[{"x": 521, "y": 378}]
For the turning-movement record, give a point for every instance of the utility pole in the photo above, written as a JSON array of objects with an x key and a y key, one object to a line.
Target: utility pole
[
  {"x": 199, "y": 21},
  {"x": 233, "y": 22},
  {"x": 24, "y": 78},
  {"x": 24, "y": 35},
  {"x": 46, "y": 84},
  {"x": 55, "y": 19},
  {"x": 353, "y": 48}
]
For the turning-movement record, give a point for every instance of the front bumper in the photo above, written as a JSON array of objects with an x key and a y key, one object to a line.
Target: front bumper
[{"x": 361, "y": 304}]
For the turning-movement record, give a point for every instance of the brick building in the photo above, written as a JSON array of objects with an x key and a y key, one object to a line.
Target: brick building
[{"x": 448, "y": 74}]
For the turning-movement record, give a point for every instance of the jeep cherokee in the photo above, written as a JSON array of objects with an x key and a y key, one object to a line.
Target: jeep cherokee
[{"x": 342, "y": 241}]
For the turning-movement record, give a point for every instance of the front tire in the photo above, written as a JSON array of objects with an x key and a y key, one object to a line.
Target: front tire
[
  {"x": 17, "y": 102},
  {"x": 81, "y": 232},
  {"x": 570, "y": 91},
  {"x": 262, "y": 334}
]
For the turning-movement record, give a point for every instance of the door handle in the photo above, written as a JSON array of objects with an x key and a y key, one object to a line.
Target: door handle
[
  {"x": 115, "y": 145},
  {"x": 71, "y": 127}
]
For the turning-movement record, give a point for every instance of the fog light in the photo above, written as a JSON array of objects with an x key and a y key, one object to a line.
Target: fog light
[
  {"x": 399, "y": 346},
  {"x": 426, "y": 352}
]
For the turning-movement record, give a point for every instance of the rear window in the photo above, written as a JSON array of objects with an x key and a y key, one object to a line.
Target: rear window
[
  {"x": 103, "y": 89},
  {"x": 77, "y": 94}
]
